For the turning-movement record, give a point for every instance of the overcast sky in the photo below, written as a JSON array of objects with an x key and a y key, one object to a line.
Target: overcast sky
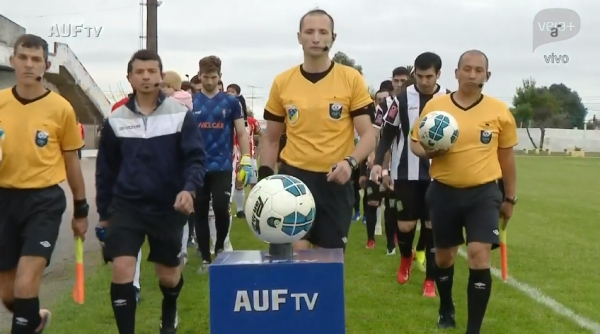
[{"x": 257, "y": 39}]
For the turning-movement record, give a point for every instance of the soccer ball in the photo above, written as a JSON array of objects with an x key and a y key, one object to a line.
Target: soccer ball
[
  {"x": 438, "y": 131},
  {"x": 280, "y": 209}
]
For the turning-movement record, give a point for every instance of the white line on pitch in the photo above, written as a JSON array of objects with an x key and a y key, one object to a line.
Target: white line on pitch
[{"x": 542, "y": 299}]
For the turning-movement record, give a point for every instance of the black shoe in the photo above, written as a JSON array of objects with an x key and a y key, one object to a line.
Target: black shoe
[
  {"x": 446, "y": 320},
  {"x": 241, "y": 214},
  {"x": 169, "y": 326}
]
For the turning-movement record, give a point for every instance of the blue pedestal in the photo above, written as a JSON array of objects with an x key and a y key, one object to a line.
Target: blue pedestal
[{"x": 252, "y": 293}]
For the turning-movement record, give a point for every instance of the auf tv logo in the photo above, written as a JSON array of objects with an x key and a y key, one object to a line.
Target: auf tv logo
[{"x": 75, "y": 30}]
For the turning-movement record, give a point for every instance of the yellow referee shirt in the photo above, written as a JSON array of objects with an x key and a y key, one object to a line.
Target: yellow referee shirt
[
  {"x": 318, "y": 114},
  {"x": 483, "y": 128},
  {"x": 35, "y": 134}
]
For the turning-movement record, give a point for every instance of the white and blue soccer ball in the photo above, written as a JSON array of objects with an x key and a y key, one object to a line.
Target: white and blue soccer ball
[
  {"x": 280, "y": 209},
  {"x": 438, "y": 131}
]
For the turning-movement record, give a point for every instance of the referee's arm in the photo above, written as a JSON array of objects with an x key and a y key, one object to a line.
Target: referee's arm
[
  {"x": 274, "y": 114},
  {"x": 108, "y": 163},
  {"x": 362, "y": 111},
  {"x": 507, "y": 139},
  {"x": 71, "y": 142}
]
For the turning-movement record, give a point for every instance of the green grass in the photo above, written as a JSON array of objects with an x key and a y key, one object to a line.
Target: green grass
[{"x": 553, "y": 242}]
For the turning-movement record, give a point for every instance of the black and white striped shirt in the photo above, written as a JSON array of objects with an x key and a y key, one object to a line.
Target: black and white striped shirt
[{"x": 401, "y": 112}]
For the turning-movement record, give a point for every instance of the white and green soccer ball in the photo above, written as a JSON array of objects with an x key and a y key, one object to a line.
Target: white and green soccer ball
[{"x": 438, "y": 130}]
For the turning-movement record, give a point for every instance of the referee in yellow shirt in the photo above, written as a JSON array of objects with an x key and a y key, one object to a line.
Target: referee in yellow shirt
[
  {"x": 464, "y": 193},
  {"x": 318, "y": 104},
  {"x": 39, "y": 140}
]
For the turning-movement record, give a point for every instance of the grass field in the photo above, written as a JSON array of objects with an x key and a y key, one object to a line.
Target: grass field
[{"x": 553, "y": 246}]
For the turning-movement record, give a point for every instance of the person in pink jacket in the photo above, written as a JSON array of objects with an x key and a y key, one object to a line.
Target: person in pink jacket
[{"x": 171, "y": 86}]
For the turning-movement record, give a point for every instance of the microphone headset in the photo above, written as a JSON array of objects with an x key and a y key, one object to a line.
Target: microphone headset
[
  {"x": 486, "y": 79},
  {"x": 327, "y": 47},
  {"x": 39, "y": 78},
  {"x": 157, "y": 84}
]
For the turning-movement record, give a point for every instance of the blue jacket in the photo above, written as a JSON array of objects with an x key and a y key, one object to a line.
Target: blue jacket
[{"x": 147, "y": 160}]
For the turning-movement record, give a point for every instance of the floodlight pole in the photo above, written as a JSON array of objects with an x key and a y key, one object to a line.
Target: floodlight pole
[{"x": 281, "y": 250}]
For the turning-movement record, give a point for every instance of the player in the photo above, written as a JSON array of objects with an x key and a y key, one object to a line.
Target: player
[
  {"x": 464, "y": 193},
  {"x": 218, "y": 115},
  {"x": 150, "y": 163},
  {"x": 413, "y": 177},
  {"x": 320, "y": 148},
  {"x": 399, "y": 76},
  {"x": 39, "y": 140}
]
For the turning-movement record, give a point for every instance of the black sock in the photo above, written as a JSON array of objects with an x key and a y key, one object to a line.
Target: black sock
[
  {"x": 478, "y": 296},
  {"x": 444, "y": 279},
  {"x": 124, "y": 304},
  {"x": 427, "y": 236},
  {"x": 169, "y": 303},
  {"x": 421, "y": 243},
  {"x": 222, "y": 221},
  {"x": 371, "y": 220},
  {"x": 389, "y": 218},
  {"x": 26, "y": 316},
  {"x": 405, "y": 243}
]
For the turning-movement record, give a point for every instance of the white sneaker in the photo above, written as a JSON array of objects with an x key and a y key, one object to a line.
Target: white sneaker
[
  {"x": 378, "y": 230},
  {"x": 393, "y": 252},
  {"x": 228, "y": 246}
]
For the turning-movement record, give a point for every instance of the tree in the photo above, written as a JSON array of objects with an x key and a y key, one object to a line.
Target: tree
[
  {"x": 535, "y": 106},
  {"x": 341, "y": 58},
  {"x": 411, "y": 70},
  {"x": 570, "y": 105},
  {"x": 372, "y": 92}
]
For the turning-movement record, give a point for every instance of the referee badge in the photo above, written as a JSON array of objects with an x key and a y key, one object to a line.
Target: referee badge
[
  {"x": 335, "y": 110},
  {"x": 292, "y": 114},
  {"x": 41, "y": 138},
  {"x": 485, "y": 137}
]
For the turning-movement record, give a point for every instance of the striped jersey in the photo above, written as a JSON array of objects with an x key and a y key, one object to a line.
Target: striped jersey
[{"x": 401, "y": 112}]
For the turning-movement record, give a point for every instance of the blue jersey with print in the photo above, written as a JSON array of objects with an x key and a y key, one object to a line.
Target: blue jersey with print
[{"x": 215, "y": 117}]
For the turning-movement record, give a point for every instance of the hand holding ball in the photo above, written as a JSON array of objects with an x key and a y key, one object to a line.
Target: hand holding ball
[{"x": 438, "y": 131}]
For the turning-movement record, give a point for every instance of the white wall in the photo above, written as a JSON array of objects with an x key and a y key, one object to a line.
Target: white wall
[{"x": 560, "y": 139}]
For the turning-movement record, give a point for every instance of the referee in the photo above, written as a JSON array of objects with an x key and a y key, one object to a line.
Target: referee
[
  {"x": 39, "y": 141},
  {"x": 319, "y": 104},
  {"x": 464, "y": 193}
]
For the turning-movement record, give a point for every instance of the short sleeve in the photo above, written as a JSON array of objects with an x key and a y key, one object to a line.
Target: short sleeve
[
  {"x": 70, "y": 139},
  {"x": 360, "y": 94},
  {"x": 507, "y": 136},
  {"x": 414, "y": 133},
  {"x": 236, "y": 108},
  {"x": 274, "y": 104}
]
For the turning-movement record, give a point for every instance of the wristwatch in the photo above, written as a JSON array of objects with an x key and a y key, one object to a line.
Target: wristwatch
[
  {"x": 80, "y": 208},
  {"x": 511, "y": 200},
  {"x": 352, "y": 162}
]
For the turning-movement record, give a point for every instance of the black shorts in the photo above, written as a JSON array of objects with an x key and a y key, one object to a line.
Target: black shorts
[
  {"x": 128, "y": 228},
  {"x": 373, "y": 192},
  {"x": 474, "y": 209},
  {"x": 334, "y": 203},
  {"x": 410, "y": 200},
  {"x": 29, "y": 223}
]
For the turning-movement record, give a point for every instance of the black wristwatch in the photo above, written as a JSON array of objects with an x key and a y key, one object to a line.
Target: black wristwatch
[
  {"x": 80, "y": 209},
  {"x": 352, "y": 162},
  {"x": 511, "y": 200}
]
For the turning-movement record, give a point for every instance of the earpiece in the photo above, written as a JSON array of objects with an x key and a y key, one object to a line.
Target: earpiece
[
  {"x": 39, "y": 78},
  {"x": 157, "y": 84}
]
